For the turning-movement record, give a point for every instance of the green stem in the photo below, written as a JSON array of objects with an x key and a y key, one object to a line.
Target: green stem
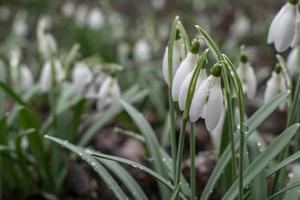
[
  {"x": 192, "y": 160},
  {"x": 172, "y": 133},
  {"x": 180, "y": 151}
]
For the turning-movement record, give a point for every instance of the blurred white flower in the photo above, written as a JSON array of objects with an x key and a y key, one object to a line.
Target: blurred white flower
[
  {"x": 158, "y": 4},
  {"x": 81, "y": 76},
  {"x": 46, "y": 78},
  {"x": 293, "y": 61},
  {"x": 20, "y": 26},
  {"x": 275, "y": 85},
  {"x": 248, "y": 79},
  {"x": 175, "y": 60},
  {"x": 183, "y": 92},
  {"x": 283, "y": 27},
  {"x": 240, "y": 27},
  {"x": 186, "y": 67},
  {"x": 14, "y": 57},
  {"x": 208, "y": 103},
  {"x": 47, "y": 45},
  {"x": 81, "y": 15},
  {"x": 109, "y": 94},
  {"x": 95, "y": 19},
  {"x": 26, "y": 78},
  {"x": 68, "y": 9},
  {"x": 141, "y": 51}
]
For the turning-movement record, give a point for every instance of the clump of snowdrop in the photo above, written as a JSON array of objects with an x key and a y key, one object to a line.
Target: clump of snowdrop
[
  {"x": 95, "y": 19},
  {"x": 68, "y": 8},
  {"x": 141, "y": 51},
  {"x": 175, "y": 59},
  {"x": 293, "y": 61},
  {"x": 207, "y": 101},
  {"x": 184, "y": 69},
  {"x": 109, "y": 94},
  {"x": 81, "y": 76},
  {"x": 26, "y": 78},
  {"x": 247, "y": 76},
  {"x": 283, "y": 30},
  {"x": 52, "y": 72},
  {"x": 275, "y": 85}
]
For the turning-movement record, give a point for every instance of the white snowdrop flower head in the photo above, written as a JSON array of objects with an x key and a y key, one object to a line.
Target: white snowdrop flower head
[
  {"x": 217, "y": 132},
  {"x": 14, "y": 57},
  {"x": 95, "y": 18},
  {"x": 68, "y": 9},
  {"x": 46, "y": 78},
  {"x": 283, "y": 27},
  {"x": 240, "y": 27},
  {"x": 175, "y": 60},
  {"x": 109, "y": 94},
  {"x": 20, "y": 26},
  {"x": 207, "y": 101},
  {"x": 185, "y": 68},
  {"x": 141, "y": 51},
  {"x": 247, "y": 76},
  {"x": 47, "y": 46},
  {"x": 293, "y": 61},
  {"x": 158, "y": 4},
  {"x": 183, "y": 92},
  {"x": 26, "y": 78},
  {"x": 81, "y": 76},
  {"x": 275, "y": 85},
  {"x": 81, "y": 15}
]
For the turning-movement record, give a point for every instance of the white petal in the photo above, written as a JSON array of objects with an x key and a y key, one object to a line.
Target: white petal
[
  {"x": 285, "y": 29},
  {"x": 198, "y": 101},
  {"x": 46, "y": 77},
  {"x": 183, "y": 92},
  {"x": 293, "y": 61},
  {"x": 214, "y": 107},
  {"x": 273, "y": 86},
  {"x": 175, "y": 63},
  {"x": 26, "y": 78},
  {"x": 296, "y": 37},
  {"x": 216, "y": 133},
  {"x": 272, "y": 32},
  {"x": 184, "y": 69},
  {"x": 81, "y": 76},
  {"x": 251, "y": 83}
]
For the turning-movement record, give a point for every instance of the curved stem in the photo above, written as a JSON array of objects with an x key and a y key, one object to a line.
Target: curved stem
[
  {"x": 180, "y": 151},
  {"x": 192, "y": 161}
]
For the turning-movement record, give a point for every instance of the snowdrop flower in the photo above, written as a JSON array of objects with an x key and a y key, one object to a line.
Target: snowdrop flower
[
  {"x": 175, "y": 60},
  {"x": 68, "y": 9},
  {"x": 81, "y": 76},
  {"x": 49, "y": 69},
  {"x": 183, "y": 92},
  {"x": 185, "y": 68},
  {"x": 20, "y": 27},
  {"x": 293, "y": 61},
  {"x": 247, "y": 76},
  {"x": 26, "y": 78},
  {"x": 95, "y": 19},
  {"x": 80, "y": 16},
  {"x": 283, "y": 26},
  {"x": 158, "y": 4},
  {"x": 275, "y": 85},
  {"x": 240, "y": 27},
  {"x": 207, "y": 101},
  {"x": 47, "y": 46},
  {"x": 296, "y": 38},
  {"x": 109, "y": 94},
  {"x": 14, "y": 57},
  {"x": 141, "y": 51}
]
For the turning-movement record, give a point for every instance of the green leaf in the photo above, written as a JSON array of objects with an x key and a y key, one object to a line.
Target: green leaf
[
  {"x": 176, "y": 192},
  {"x": 283, "y": 163},
  {"x": 262, "y": 160},
  {"x": 252, "y": 123},
  {"x": 9, "y": 91},
  {"x": 103, "y": 173},
  {"x": 150, "y": 141},
  {"x": 291, "y": 191},
  {"x": 126, "y": 178}
]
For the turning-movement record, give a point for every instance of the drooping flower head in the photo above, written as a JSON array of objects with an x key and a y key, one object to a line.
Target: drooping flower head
[
  {"x": 26, "y": 78},
  {"x": 175, "y": 58},
  {"x": 275, "y": 85},
  {"x": 247, "y": 76},
  {"x": 184, "y": 69},
  {"x": 293, "y": 61},
  {"x": 81, "y": 76},
  {"x": 52, "y": 71},
  {"x": 207, "y": 101},
  {"x": 282, "y": 30}
]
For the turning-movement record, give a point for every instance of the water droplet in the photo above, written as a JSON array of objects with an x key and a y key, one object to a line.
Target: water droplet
[
  {"x": 88, "y": 151},
  {"x": 65, "y": 142},
  {"x": 259, "y": 144}
]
